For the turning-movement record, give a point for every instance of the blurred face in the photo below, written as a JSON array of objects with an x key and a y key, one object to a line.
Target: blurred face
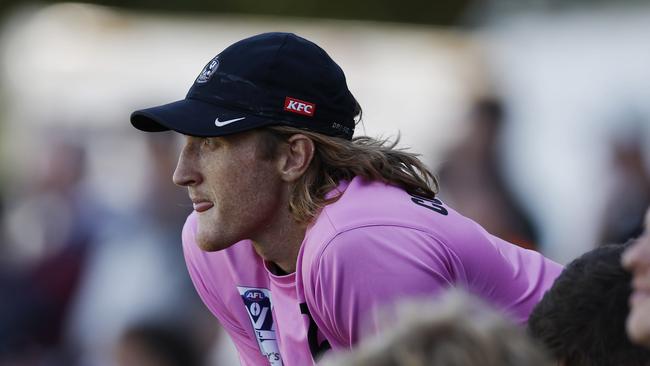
[
  {"x": 637, "y": 260},
  {"x": 235, "y": 192}
]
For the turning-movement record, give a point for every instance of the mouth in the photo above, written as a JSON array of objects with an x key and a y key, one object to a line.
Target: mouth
[
  {"x": 638, "y": 297},
  {"x": 640, "y": 290},
  {"x": 202, "y": 206}
]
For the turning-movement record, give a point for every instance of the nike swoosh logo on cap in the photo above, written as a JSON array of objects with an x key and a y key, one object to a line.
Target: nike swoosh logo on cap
[{"x": 223, "y": 123}]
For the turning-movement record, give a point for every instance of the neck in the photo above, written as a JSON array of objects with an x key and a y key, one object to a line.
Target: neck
[{"x": 280, "y": 243}]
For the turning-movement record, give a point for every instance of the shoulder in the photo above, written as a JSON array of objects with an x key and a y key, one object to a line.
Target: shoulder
[
  {"x": 377, "y": 251},
  {"x": 365, "y": 203},
  {"x": 369, "y": 211}
]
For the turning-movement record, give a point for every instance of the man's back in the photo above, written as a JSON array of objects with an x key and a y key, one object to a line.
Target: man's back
[{"x": 377, "y": 244}]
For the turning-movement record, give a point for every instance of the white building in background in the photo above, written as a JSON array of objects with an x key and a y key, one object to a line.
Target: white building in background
[{"x": 575, "y": 83}]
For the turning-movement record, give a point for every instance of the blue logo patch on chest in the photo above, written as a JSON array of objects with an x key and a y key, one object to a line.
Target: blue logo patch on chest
[{"x": 257, "y": 302}]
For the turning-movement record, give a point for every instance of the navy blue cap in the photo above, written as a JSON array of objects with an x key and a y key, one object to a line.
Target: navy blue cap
[{"x": 267, "y": 79}]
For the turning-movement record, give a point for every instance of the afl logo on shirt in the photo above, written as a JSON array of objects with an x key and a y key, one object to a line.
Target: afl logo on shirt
[
  {"x": 208, "y": 71},
  {"x": 254, "y": 295},
  {"x": 257, "y": 302}
]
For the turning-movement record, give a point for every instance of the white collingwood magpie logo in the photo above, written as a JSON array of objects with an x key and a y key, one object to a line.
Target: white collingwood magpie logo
[
  {"x": 208, "y": 70},
  {"x": 258, "y": 306}
]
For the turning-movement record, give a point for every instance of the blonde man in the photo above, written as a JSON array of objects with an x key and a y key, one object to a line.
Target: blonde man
[{"x": 300, "y": 231}]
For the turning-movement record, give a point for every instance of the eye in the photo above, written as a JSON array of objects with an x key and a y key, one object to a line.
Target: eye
[{"x": 208, "y": 142}]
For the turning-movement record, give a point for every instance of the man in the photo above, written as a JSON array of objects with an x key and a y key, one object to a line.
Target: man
[
  {"x": 637, "y": 260},
  {"x": 581, "y": 319},
  {"x": 300, "y": 233}
]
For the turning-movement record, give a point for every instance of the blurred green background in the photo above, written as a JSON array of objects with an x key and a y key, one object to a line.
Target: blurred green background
[{"x": 408, "y": 11}]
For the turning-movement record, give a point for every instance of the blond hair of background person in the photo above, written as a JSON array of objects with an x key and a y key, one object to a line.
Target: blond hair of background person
[{"x": 456, "y": 330}]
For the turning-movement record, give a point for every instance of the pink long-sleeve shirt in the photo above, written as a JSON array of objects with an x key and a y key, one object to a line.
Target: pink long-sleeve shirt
[{"x": 375, "y": 245}]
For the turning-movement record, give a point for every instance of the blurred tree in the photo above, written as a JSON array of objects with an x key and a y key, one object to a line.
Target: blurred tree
[{"x": 445, "y": 12}]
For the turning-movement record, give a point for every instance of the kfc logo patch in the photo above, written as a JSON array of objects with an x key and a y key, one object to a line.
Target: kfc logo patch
[{"x": 299, "y": 106}]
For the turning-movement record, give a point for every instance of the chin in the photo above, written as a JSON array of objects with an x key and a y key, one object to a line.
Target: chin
[
  {"x": 638, "y": 327},
  {"x": 208, "y": 243},
  {"x": 206, "y": 246}
]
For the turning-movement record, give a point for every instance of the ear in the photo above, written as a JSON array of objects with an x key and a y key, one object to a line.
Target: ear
[{"x": 295, "y": 157}]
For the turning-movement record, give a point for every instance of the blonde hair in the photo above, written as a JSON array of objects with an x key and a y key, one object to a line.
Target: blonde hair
[
  {"x": 336, "y": 159},
  {"x": 457, "y": 330}
]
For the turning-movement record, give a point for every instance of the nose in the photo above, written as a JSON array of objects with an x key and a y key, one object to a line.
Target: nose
[{"x": 186, "y": 173}]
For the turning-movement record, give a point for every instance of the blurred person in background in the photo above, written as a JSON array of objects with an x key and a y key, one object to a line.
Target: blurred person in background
[
  {"x": 581, "y": 319},
  {"x": 135, "y": 254},
  {"x": 456, "y": 330},
  {"x": 167, "y": 202},
  {"x": 300, "y": 232},
  {"x": 636, "y": 259},
  {"x": 630, "y": 195},
  {"x": 472, "y": 180},
  {"x": 157, "y": 345},
  {"x": 52, "y": 222}
]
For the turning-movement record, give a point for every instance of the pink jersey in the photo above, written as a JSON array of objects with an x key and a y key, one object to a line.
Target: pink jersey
[{"x": 375, "y": 245}]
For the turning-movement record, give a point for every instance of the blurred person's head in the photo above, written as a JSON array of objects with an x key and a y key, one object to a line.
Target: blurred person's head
[
  {"x": 581, "y": 319},
  {"x": 474, "y": 182},
  {"x": 164, "y": 201},
  {"x": 630, "y": 192},
  {"x": 637, "y": 260},
  {"x": 63, "y": 165},
  {"x": 456, "y": 330},
  {"x": 486, "y": 118},
  {"x": 156, "y": 345}
]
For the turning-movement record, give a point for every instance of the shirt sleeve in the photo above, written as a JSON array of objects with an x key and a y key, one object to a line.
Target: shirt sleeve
[
  {"x": 247, "y": 347},
  {"x": 360, "y": 273}
]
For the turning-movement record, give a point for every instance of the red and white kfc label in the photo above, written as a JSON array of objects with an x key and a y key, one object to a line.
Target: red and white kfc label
[{"x": 299, "y": 106}]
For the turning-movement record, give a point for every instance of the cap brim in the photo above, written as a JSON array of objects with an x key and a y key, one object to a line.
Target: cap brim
[{"x": 196, "y": 118}]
